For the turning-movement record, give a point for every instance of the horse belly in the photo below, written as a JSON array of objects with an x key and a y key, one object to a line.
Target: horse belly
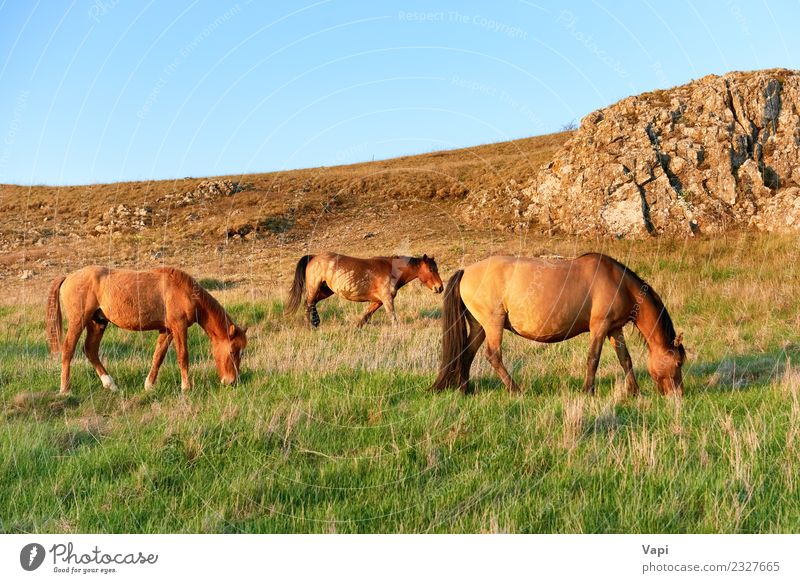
[
  {"x": 137, "y": 307},
  {"x": 351, "y": 286},
  {"x": 548, "y": 321}
]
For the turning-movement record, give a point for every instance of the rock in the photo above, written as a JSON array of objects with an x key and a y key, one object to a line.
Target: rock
[
  {"x": 26, "y": 274},
  {"x": 718, "y": 153},
  {"x": 207, "y": 190},
  {"x": 122, "y": 218}
]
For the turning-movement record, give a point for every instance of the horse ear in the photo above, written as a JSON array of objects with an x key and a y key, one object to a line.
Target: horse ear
[
  {"x": 678, "y": 340},
  {"x": 425, "y": 257},
  {"x": 231, "y": 331}
]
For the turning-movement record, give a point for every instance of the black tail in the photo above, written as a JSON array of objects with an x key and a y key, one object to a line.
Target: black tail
[
  {"x": 298, "y": 285},
  {"x": 454, "y": 337}
]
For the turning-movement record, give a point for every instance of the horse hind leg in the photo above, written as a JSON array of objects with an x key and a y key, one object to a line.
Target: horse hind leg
[
  {"x": 476, "y": 337},
  {"x": 315, "y": 292},
  {"x": 95, "y": 329},
  {"x": 74, "y": 330},
  {"x": 617, "y": 339},
  {"x": 494, "y": 338}
]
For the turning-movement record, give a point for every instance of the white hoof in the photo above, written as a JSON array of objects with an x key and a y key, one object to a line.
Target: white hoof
[
  {"x": 185, "y": 387},
  {"x": 108, "y": 382},
  {"x": 148, "y": 385}
]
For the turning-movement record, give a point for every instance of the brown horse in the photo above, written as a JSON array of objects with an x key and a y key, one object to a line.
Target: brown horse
[
  {"x": 165, "y": 299},
  {"x": 375, "y": 280},
  {"x": 551, "y": 301}
]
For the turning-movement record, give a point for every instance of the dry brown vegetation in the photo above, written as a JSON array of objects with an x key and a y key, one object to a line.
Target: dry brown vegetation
[{"x": 411, "y": 204}]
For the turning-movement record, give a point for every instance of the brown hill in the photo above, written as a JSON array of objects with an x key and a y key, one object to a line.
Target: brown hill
[
  {"x": 718, "y": 153},
  {"x": 403, "y": 205}
]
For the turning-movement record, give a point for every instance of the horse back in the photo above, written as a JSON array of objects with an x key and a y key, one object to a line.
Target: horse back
[
  {"x": 544, "y": 299},
  {"x": 353, "y": 278},
  {"x": 134, "y": 300}
]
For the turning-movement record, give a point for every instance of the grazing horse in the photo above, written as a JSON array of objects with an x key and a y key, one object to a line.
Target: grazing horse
[
  {"x": 164, "y": 299},
  {"x": 375, "y": 280},
  {"x": 551, "y": 301}
]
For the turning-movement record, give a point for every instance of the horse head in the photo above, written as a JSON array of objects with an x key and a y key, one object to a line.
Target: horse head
[
  {"x": 664, "y": 366},
  {"x": 429, "y": 274},
  {"x": 228, "y": 354}
]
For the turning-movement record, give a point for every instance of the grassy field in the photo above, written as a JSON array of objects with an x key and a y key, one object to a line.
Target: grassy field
[{"x": 334, "y": 431}]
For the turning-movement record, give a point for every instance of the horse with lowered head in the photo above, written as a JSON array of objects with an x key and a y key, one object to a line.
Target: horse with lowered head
[
  {"x": 550, "y": 301},
  {"x": 375, "y": 280},
  {"x": 163, "y": 299}
]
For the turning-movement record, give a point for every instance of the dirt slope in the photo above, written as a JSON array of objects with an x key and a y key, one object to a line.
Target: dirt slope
[{"x": 261, "y": 222}]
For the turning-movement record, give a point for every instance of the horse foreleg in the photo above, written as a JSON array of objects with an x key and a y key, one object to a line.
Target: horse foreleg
[
  {"x": 595, "y": 348},
  {"x": 181, "y": 347},
  {"x": 162, "y": 345},
  {"x": 373, "y": 307},
  {"x": 617, "y": 339},
  {"x": 494, "y": 338},
  {"x": 91, "y": 347},
  {"x": 388, "y": 305}
]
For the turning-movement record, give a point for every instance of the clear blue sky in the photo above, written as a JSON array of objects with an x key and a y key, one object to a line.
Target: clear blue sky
[{"x": 108, "y": 90}]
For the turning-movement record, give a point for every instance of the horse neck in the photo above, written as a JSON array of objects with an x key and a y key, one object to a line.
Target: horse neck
[
  {"x": 407, "y": 270},
  {"x": 211, "y": 316},
  {"x": 649, "y": 321}
]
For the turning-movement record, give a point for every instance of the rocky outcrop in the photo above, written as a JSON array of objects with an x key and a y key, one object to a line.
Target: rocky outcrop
[
  {"x": 125, "y": 218},
  {"x": 718, "y": 153},
  {"x": 207, "y": 190}
]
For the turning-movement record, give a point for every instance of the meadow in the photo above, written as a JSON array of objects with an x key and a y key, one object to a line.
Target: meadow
[{"x": 334, "y": 430}]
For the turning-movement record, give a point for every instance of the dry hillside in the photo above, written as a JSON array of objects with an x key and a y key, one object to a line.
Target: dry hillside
[
  {"x": 718, "y": 153},
  {"x": 260, "y": 223}
]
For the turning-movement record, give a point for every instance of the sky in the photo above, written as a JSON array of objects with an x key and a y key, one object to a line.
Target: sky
[{"x": 116, "y": 90}]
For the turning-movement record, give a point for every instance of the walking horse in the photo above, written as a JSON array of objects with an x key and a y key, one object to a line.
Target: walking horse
[{"x": 375, "y": 280}]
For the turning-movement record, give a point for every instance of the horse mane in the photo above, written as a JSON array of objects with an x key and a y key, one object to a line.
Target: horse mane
[
  {"x": 415, "y": 261},
  {"x": 664, "y": 320},
  {"x": 213, "y": 309},
  {"x": 412, "y": 261}
]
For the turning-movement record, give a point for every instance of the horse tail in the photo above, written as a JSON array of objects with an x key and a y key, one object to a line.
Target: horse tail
[
  {"x": 54, "y": 326},
  {"x": 454, "y": 336},
  {"x": 298, "y": 285}
]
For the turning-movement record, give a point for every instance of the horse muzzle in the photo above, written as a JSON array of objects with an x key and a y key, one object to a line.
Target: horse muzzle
[{"x": 438, "y": 289}]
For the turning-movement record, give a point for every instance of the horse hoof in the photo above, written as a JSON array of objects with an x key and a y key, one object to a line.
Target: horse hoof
[
  {"x": 108, "y": 383},
  {"x": 148, "y": 385}
]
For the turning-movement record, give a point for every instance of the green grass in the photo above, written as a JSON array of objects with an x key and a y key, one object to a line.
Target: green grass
[{"x": 334, "y": 431}]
